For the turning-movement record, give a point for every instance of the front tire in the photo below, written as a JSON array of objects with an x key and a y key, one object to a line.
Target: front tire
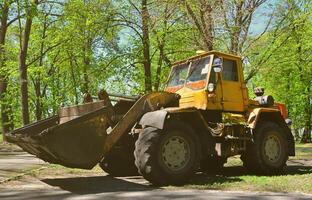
[
  {"x": 120, "y": 160},
  {"x": 119, "y": 166},
  {"x": 268, "y": 153},
  {"x": 169, "y": 156}
]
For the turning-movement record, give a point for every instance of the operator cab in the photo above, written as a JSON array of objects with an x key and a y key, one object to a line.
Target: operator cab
[
  {"x": 211, "y": 80},
  {"x": 191, "y": 74}
]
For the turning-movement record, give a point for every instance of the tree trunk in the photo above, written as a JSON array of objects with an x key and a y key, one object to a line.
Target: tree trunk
[
  {"x": 306, "y": 137},
  {"x": 37, "y": 81},
  {"x": 237, "y": 28},
  {"x": 23, "y": 65},
  {"x": 87, "y": 50},
  {"x": 5, "y": 108},
  {"x": 146, "y": 47},
  {"x": 159, "y": 66},
  {"x": 208, "y": 26},
  {"x": 72, "y": 73},
  {"x": 24, "y": 86},
  {"x": 203, "y": 22},
  {"x": 237, "y": 17}
]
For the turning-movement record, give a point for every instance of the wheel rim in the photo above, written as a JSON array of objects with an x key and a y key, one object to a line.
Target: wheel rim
[
  {"x": 272, "y": 148},
  {"x": 175, "y": 153}
]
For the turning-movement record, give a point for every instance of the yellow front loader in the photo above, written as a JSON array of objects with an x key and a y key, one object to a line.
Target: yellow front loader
[{"x": 203, "y": 117}]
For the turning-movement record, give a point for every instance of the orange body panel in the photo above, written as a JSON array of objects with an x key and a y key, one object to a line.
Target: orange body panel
[{"x": 282, "y": 109}]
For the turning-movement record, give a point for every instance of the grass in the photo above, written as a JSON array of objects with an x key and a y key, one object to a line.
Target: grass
[
  {"x": 303, "y": 151},
  {"x": 297, "y": 178},
  {"x": 32, "y": 172},
  {"x": 299, "y": 181},
  {"x": 286, "y": 183},
  {"x": 58, "y": 171},
  {"x": 1, "y": 138}
]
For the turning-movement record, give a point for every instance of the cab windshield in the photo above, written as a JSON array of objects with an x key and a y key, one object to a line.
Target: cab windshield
[
  {"x": 178, "y": 75},
  {"x": 191, "y": 74},
  {"x": 198, "y": 73}
]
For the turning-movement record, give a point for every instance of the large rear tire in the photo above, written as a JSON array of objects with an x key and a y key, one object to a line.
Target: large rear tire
[
  {"x": 268, "y": 153},
  {"x": 167, "y": 157}
]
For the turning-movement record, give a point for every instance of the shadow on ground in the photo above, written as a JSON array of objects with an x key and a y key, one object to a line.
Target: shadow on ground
[
  {"x": 97, "y": 184},
  {"x": 104, "y": 184},
  {"x": 298, "y": 170}
]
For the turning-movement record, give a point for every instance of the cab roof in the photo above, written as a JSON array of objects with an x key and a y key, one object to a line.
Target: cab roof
[{"x": 205, "y": 54}]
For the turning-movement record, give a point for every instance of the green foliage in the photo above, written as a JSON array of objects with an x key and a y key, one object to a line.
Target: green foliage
[
  {"x": 82, "y": 46},
  {"x": 287, "y": 74}
]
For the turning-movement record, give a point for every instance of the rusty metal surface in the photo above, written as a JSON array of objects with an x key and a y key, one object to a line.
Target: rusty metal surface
[
  {"x": 69, "y": 113},
  {"x": 34, "y": 128},
  {"x": 77, "y": 143}
]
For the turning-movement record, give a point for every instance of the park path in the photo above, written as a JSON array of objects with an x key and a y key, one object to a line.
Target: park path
[
  {"x": 129, "y": 192},
  {"x": 14, "y": 162}
]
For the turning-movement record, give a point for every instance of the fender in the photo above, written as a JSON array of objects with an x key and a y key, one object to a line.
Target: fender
[
  {"x": 158, "y": 118},
  {"x": 274, "y": 115},
  {"x": 254, "y": 115},
  {"x": 154, "y": 119}
]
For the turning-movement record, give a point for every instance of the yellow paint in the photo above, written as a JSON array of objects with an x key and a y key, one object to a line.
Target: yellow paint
[
  {"x": 191, "y": 98},
  {"x": 229, "y": 96}
]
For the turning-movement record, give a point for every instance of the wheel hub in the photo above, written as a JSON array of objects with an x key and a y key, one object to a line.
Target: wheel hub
[
  {"x": 175, "y": 153},
  {"x": 272, "y": 148}
]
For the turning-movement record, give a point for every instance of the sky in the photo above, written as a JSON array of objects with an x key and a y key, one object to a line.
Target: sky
[{"x": 261, "y": 17}]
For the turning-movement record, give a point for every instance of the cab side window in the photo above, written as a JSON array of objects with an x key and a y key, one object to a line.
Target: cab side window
[{"x": 229, "y": 72}]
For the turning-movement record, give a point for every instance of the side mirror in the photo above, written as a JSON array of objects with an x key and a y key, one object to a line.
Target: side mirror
[
  {"x": 217, "y": 69},
  {"x": 217, "y": 65}
]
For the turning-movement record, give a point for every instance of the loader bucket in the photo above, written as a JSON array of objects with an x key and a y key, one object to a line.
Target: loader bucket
[
  {"x": 77, "y": 143},
  {"x": 78, "y": 136}
]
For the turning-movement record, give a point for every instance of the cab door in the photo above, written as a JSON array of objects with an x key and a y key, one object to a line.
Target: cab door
[{"x": 231, "y": 86}]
